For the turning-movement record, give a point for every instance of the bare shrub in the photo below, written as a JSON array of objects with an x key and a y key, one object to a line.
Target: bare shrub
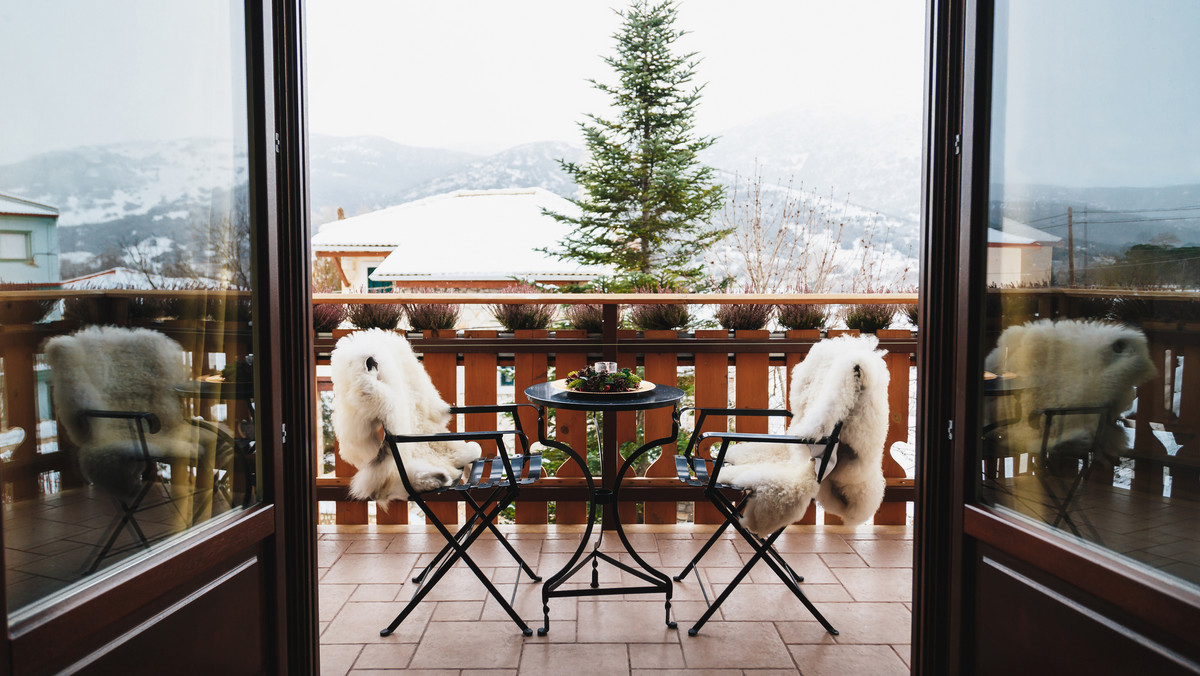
[
  {"x": 513, "y": 316},
  {"x": 327, "y": 316},
  {"x": 589, "y": 318},
  {"x": 744, "y": 316},
  {"x": 789, "y": 240},
  {"x": 800, "y": 317},
  {"x": 869, "y": 318}
]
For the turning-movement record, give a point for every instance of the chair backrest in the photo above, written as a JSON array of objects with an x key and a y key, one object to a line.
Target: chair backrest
[
  {"x": 114, "y": 369},
  {"x": 843, "y": 379},
  {"x": 1061, "y": 365}
]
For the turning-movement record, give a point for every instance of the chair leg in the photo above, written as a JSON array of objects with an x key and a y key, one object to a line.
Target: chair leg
[
  {"x": 460, "y": 552},
  {"x": 478, "y": 510},
  {"x": 118, "y": 525},
  {"x": 763, "y": 550}
]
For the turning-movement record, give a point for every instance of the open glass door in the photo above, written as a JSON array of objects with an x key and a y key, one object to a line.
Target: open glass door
[
  {"x": 1077, "y": 360},
  {"x": 141, "y": 411}
]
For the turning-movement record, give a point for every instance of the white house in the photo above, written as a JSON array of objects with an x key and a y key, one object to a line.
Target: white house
[
  {"x": 464, "y": 239},
  {"x": 1019, "y": 255},
  {"x": 28, "y": 241}
]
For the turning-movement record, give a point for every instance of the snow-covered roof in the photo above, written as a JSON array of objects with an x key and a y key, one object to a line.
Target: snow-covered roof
[
  {"x": 15, "y": 206},
  {"x": 1016, "y": 232},
  {"x": 462, "y": 235},
  {"x": 125, "y": 278}
]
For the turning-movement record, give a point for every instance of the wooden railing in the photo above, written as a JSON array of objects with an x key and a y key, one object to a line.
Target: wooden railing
[
  {"x": 723, "y": 369},
  {"x": 39, "y": 462}
]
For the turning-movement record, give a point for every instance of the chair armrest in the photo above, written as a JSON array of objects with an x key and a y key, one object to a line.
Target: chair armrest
[
  {"x": 513, "y": 409},
  {"x": 493, "y": 435},
  {"x": 704, "y": 412},
  {"x": 829, "y": 442},
  {"x": 153, "y": 425}
]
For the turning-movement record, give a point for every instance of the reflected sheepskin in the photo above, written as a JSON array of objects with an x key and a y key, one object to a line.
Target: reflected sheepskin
[
  {"x": 1071, "y": 363},
  {"x": 841, "y": 379},
  {"x": 118, "y": 369},
  {"x": 378, "y": 384}
]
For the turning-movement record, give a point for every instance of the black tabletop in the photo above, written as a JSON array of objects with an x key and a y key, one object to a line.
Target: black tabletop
[{"x": 545, "y": 394}]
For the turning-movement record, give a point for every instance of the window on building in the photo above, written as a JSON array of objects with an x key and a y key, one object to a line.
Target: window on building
[{"x": 15, "y": 246}]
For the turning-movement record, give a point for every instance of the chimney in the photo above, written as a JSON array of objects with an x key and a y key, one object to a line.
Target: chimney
[{"x": 341, "y": 214}]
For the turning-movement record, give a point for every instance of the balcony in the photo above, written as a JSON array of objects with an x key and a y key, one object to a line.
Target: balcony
[{"x": 860, "y": 577}]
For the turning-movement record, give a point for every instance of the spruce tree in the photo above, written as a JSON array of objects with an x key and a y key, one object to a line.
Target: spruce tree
[{"x": 647, "y": 200}]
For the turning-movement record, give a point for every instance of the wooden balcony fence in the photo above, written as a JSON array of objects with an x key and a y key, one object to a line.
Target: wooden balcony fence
[{"x": 727, "y": 369}]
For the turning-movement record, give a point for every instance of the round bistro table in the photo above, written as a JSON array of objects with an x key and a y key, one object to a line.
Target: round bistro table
[{"x": 546, "y": 396}]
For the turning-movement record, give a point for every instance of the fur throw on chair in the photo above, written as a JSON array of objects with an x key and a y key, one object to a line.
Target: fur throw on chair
[
  {"x": 378, "y": 384},
  {"x": 1071, "y": 363},
  {"x": 118, "y": 369},
  {"x": 842, "y": 379}
]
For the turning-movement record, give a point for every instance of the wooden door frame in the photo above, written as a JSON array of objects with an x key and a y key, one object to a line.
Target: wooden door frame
[
  {"x": 950, "y": 525},
  {"x": 281, "y": 531}
]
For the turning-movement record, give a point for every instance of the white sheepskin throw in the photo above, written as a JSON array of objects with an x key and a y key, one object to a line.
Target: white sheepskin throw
[
  {"x": 1070, "y": 363},
  {"x": 378, "y": 384},
  {"x": 119, "y": 369},
  {"x": 842, "y": 379}
]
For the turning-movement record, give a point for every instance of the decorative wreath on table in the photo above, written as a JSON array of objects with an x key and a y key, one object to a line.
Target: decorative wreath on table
[{"x": 588, "y": 379}]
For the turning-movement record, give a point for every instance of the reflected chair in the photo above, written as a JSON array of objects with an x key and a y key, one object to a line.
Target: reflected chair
[
  {"x": 391, "y": 424},
  {"x": 832, "y": 451},
  {"x": 1070, "y": 382},
  {"x": 113, "y": 391}
]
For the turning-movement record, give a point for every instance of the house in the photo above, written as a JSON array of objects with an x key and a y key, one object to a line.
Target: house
[
  {"x": 28, "y": 241},
  {"x": 497, "y": 234},
  {"x": 1019, "y": 255}
]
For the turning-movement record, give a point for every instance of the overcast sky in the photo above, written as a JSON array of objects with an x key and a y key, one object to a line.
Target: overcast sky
[{"x": 482, "y": 76}]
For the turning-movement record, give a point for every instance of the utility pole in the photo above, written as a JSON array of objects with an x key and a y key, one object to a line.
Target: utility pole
[
  {"x": 1070, "y": 247},
  {"x": 1087, "y": 248}
]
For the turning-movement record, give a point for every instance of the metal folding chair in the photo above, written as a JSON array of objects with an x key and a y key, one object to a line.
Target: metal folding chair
[
  {"x": 144, "y": 476},
  {"x": 700, "y": 472},
  {"x": 499, "y": 478}
]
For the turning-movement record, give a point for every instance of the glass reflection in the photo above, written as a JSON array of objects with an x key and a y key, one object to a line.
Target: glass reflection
[
  {"x": 1091, "y": 378},
  {"x": 127, "y": 403}
]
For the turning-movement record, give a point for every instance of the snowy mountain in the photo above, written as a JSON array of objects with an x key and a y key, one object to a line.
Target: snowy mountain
[
  {"x": 97, "y": 184},
  {"x": 871, "y": 162}
]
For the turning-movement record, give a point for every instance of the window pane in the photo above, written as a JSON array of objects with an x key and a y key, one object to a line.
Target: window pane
[
  {"x": 14, "y": 246},
  {"x": 1091, "y": 379},
  {"x": 127, "y": 414}
]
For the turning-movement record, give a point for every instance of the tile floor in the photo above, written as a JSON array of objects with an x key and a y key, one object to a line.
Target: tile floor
[{"x": 861, "y": 579}]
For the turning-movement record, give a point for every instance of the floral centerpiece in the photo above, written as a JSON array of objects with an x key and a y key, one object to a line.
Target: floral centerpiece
[{"x": 588, "y": 379}]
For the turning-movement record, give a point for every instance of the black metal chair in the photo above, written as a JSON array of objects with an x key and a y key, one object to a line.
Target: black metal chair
[
  {"x": 135, "y": 469},
  {"x": 499, "y": 478},
  {"x": 701, "y": 472}
]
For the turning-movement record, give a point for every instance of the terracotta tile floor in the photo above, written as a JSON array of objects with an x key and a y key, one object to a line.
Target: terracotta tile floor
[{"x": 861, "y": 579}]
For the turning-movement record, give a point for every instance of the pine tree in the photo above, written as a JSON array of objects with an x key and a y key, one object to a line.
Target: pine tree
[{"x": 648, "y": 201}]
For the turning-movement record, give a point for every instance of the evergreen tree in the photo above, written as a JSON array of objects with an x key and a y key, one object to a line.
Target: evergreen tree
[{"x": 648, "y": 202}]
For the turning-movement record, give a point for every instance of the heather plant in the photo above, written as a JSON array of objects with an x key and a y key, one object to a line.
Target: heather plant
[
  {"x": 800, "y": 317},
  {"x": 589, "y": 318},
  {"x": 868, "y": 318},
  {"x": 743, "y": 316},
  {"x": 910, "y": 311},
  {"x": 431, "y": 316},
  {"x": 374, "y": 315},
  {"x": 514, "y": 317},
  {"x": 659, "y": 317},
  {"x": 327, "y": 316}
]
